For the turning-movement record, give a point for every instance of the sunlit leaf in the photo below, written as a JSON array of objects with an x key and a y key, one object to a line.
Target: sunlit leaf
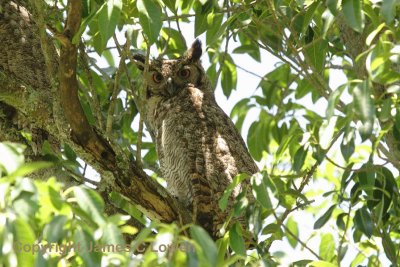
[
  {"x": 206, "y": 243},
  {"x": 150, "y": 18},
  {"x": 90, "y": 202},
  {"x": 24, "y": 235},
  {"x": 327, "y": 247},
  {"x": 86, "y": 243},
  {"x": 326, "y": 132},
  {"x": 108, "y": 19},
  {"x": 293, "y": 227},
  {"x": 235, "y": 239}
]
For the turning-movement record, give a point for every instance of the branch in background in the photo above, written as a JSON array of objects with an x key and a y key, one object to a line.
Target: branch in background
[{"x": 304, "y": 182}]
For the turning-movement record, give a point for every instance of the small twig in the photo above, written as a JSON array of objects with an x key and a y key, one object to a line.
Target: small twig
[
  {"x": 110, "y": 114},
  {"x": 84, "y": 169},
  {"x": 301, "y": 242},
  {"x": 252, "y": 73},
  {"x": 341, "y": 242},
  {"x": 362, "y": 169},
  {"x": 139, "y": 163},
  {"x": 336, "y": 67}
]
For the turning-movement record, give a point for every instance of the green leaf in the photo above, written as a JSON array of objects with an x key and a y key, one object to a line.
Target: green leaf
[
  {"x": 298, "y": 159},
  {"x": 221, "y": 29},
  {"x": 317, "y": 54},
  {"x": 24, "y": 198},
  {"x": 333, "y": 100},
  {"x": 236, "y": 241},
  {"x": 11, "y": 156},
  {"x": 363, "y": 221},
  {"x": 275, "y": 82},
  {"x": 327, "y": 247},
  {"x": 333, "y": 6},
  {"x": 214, "y": 21},
  {"x": 170, "y": 4},
  {"x": 249, "y": 49},
  {"x": 108, "y": 20},
  {"x": 324, "y": 218},
  {"x": 260, "y": 190},
  {"x": 388, "y": 10},
  {"x": 364, "y": 108},
  {"x": 240, "y": 111},
  {"x": 229, "y": 74},
  {"x": 292, "y": 226},
  {"x": 374, "y": 33},
  {"x": 223, "y": 202},
  {"x": 379, "y": 61},
  {"x": 55, "y": 231},
  {"x": 340, "y": 221},
  {"x": 390, "y": 248},
  {"x": 30, "y": 167},
  {"x": 353, "y": 14},
  {"x": 175, "y": 40},
  {"x": 366, "y": 179},
  {"x": 347, "y": 147},
  {"x": 326, "y": 132},
  {"x": 86, "y": 242},
  {"x": 112, "y": 235},
  {"x": 23, "y": 235},
  {"x": 150, "y": 18},
  {"x": 358, "y": 259},
  {"x": 206, "y": 243},
  {"x": 94, "y": 14},
  {"x": 273, "y": 229},
  {"x": 308, "y": 18},
  {"x": 91, "y": 203},
  {"x": 258, "y": 136},
  {"x": 222, "y": 245},
  {"x": 321, "y": 264},
  {"x": 200, "y": 20}
]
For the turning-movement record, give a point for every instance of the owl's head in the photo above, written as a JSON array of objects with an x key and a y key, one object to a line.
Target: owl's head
[{"x": 165, "y": 78}]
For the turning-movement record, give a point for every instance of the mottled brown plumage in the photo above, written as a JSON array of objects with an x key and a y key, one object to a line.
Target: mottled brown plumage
[{"x": 199, "y": 148}]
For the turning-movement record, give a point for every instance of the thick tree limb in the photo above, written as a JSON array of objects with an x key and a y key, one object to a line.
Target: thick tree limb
[
  {"x": 25, "y": 86},
  {"x": 153, "y": 199}
]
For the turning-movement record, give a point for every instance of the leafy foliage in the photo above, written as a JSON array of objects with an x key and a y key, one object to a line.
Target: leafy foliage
[{"x": 329, "y": 148}]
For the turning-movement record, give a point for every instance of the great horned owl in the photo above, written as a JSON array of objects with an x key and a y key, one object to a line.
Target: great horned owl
[{"x": 199, "y": 148}]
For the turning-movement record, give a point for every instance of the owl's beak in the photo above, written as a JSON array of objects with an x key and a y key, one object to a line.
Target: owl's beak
[{"x": 170, "y": 86}]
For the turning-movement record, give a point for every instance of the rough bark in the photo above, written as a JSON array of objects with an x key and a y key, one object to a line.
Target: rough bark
[{"x": 39, "y": 84}]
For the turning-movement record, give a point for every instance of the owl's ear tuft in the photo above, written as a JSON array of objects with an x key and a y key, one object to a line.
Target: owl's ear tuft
[
  {"x": 139, "y": 60},
  {"x": 194, "y": 53}
]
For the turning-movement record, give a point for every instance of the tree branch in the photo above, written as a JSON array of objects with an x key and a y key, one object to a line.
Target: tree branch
[{"x": 152, "y": 198}]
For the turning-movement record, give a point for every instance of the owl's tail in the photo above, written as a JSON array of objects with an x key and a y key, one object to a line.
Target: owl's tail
[{"x": 202, "y": 203}]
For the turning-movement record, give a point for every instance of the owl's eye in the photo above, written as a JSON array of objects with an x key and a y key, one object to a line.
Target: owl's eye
[
  {"x": 184, "y": 73},
  {"x": 157, "y": 77}
]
